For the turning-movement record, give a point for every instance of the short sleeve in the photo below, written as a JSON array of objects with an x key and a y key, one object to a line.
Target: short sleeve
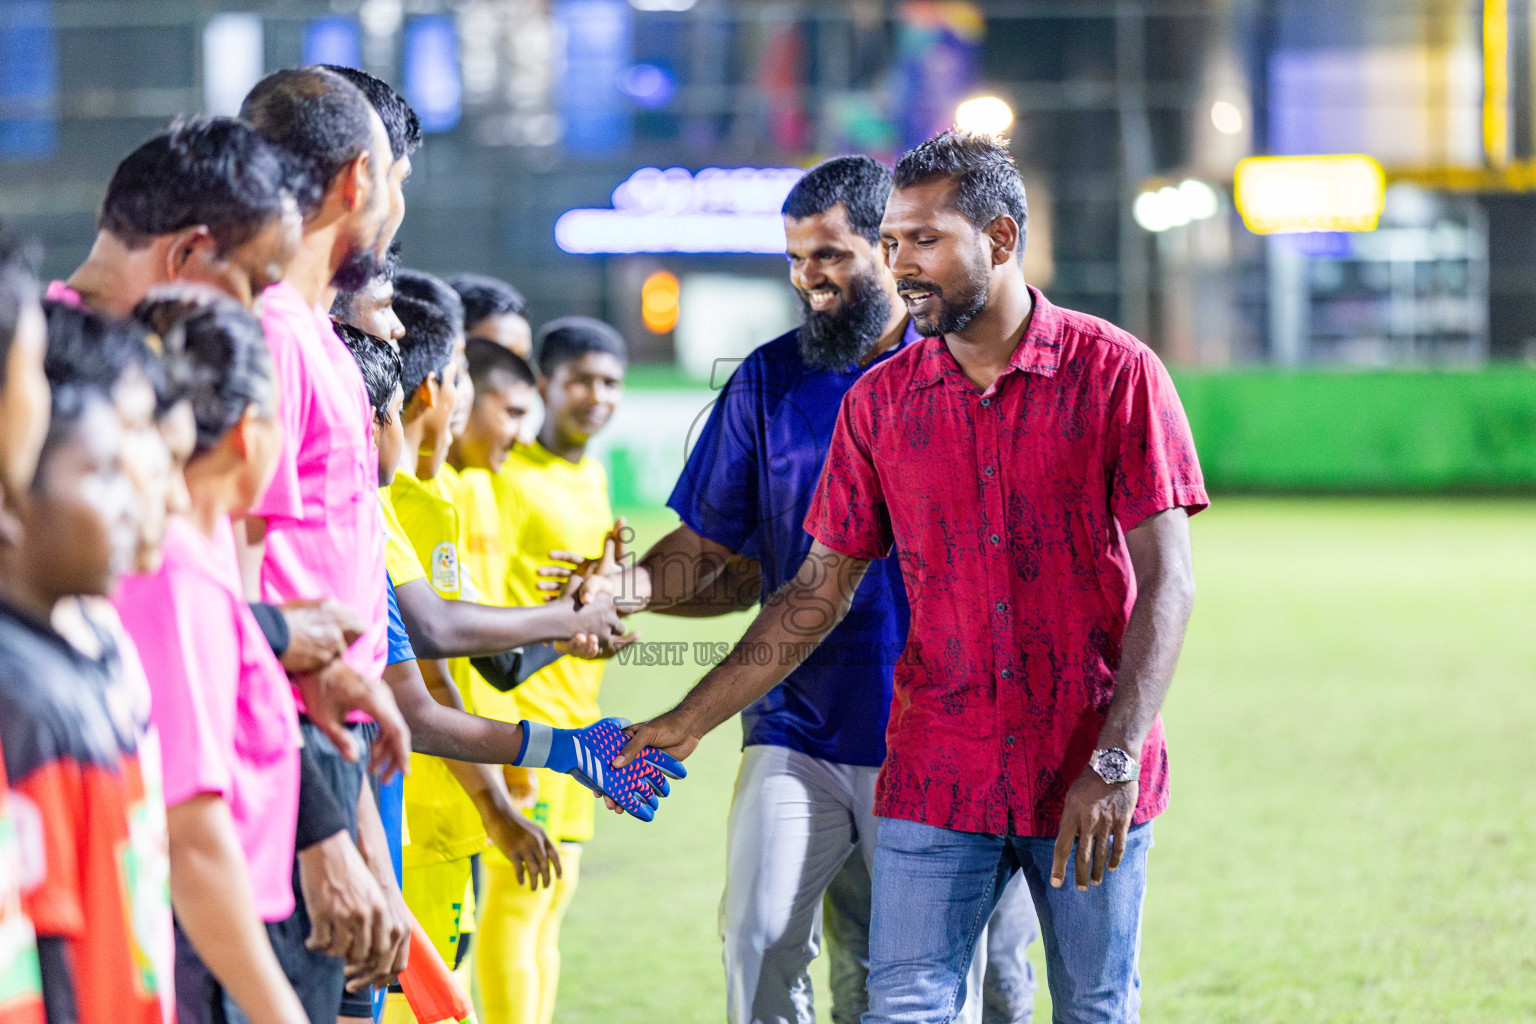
[
  {"x": 848, "y": 513},
  {"x": 1152, "y": 464},
  {"x": 399, "y": 556},
  {"x": 189, "y": 644},
  {"x": 399, "y": 640},
  {"x": 716, "y": 495},
  {"x": 283, "y": 499},
  {"x": 55, "y": 788}
]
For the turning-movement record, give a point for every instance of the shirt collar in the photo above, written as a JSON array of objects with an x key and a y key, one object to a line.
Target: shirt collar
[{"x": 1039, "y": 351}]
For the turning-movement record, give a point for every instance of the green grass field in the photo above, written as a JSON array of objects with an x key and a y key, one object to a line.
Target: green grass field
[{"x": 1353, "y": 829}]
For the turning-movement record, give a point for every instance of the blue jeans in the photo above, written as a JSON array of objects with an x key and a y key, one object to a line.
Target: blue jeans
[{"x": 934, "y": 890}]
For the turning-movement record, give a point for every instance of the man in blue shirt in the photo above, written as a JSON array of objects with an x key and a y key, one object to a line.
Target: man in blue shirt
[{"x": 802, "y": 819}]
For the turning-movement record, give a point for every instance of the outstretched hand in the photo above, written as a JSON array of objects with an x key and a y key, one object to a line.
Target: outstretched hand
[
  {"x": 668, "y": 733},
  {"x": 585, "y": 578},
  {"x": 588, "y": 756}
]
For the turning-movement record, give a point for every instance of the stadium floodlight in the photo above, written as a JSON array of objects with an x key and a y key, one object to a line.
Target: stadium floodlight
[
  {"x": 662, "y": 5},
  {"x": 719, "y": 209},
  {"x": 659, "y": 302},
  {"x": 1173, "y": 206},
  {"x": 984, "y": 115},
  {"x": 1227, "y": 117},
  {"x": 1292, "y": 194},
  {"x": 1199, "y": 199}
]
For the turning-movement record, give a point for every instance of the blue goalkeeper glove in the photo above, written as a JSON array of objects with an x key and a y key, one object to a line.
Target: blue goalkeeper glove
[{"x": 587, "y": 756}]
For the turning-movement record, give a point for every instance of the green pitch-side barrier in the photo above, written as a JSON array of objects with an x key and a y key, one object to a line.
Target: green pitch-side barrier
[
  {"x": 1406, "y": 432},
  {"x": 1257, "y": 430}
]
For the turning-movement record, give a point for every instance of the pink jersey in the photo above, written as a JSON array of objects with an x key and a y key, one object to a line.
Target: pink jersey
[
  {"x": 325, "y": 537},
  {"x": 220, "y": 700}
]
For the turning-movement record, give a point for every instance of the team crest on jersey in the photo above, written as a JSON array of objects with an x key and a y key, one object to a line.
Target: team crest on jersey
[{"x": 445, "y": 567}]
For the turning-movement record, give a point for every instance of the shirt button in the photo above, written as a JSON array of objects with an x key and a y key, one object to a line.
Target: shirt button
[
  {"x": 988, "y": 471},
  {"x": 986, "y": 402},
  {"x": 1002, "y": 606},
  {"x": 995, "y": 538},
  {"x": 1009, "y": 740},
  {"x": 1007, "y": 674}
]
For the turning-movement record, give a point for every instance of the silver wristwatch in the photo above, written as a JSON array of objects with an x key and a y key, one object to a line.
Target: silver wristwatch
[{"x": 1114, "y": 765}]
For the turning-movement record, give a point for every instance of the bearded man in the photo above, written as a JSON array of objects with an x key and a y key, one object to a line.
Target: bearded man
[{"x": 802, "y": 827}]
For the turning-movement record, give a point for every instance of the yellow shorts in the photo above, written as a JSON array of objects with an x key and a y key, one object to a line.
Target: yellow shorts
[
  {"x": 566, "y": 808},
  {"x": 442, "y": 898}
]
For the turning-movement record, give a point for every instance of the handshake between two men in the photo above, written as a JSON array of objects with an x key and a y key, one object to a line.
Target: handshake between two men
[{"x": 587, "y": 754}]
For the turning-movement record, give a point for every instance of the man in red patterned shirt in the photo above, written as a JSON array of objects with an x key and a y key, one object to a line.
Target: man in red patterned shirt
[{"x": 1034, "y": 469}]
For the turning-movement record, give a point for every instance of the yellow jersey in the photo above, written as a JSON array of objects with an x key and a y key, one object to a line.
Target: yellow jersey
[
  {"x": 399, "y": 556},
  {"x": 443, "y": 821},
  {"x": 483, "y": 556},
  {"x": 547, "y": 503}
]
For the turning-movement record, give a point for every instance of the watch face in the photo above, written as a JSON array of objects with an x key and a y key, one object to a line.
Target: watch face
[{"x": 1114, "y": 765}]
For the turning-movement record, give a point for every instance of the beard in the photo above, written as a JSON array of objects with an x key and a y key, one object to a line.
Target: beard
[
  {"x": 955, "y": 313},
  {"x": 361, "y": 266},
  {"x": 838, "y": 337},
  {"x": 363, "y": 262}
]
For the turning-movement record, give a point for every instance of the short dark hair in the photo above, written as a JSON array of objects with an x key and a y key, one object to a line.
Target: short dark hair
[
  {"x": 87, "y": 356},
  {"x": 379, "y": 363},
  {"x": 221, "y": 356},
  {"x": 486, "y": 359},
  {"x": 18, "y": 289},
  {"x": 400, "y": 121},
  {"x": 434, "y": 321},
  {"x": 861, "y": 184},
  {"x": 572, "y": 337},
  {"x": 486, "y": 296},
  {"x": 318, "y": 120},
  {"x": 85, "y": 348},
  {"x": 162, "y": 311},
  {"x": 987, "y": 184},
  {"x": 213, "y": 171},
  {"x": 341, "y": 306}
]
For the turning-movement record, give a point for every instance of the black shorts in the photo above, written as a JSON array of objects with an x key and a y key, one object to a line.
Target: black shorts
[
  {"x": 200, "y": 999},
  {"x": 319, "y": 979}
]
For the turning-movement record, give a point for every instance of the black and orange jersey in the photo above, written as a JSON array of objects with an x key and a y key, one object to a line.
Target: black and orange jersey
[
  {"x": 70, "y": 752},
  {"x": 21, "y": 983}
]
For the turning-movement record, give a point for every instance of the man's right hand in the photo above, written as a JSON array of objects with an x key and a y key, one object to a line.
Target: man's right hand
[
  {"x": 532, "y": 854},
  {"x": 346, "y": 907},
  {"x": 318, "y": 633},
  {"x": 336, "y": 691},
  {"x": 670, "y": 733}
]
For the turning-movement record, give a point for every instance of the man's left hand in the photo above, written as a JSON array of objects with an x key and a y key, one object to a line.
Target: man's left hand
[
  {"x": 318, "y": 633},
  {"x": 1095, "y": 813}
]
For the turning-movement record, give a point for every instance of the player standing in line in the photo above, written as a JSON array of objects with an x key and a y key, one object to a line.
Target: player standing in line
[
  {"x": 1035, "y": 469},
  {"x": 317, "y": 532},
  {"x": 444, "y": 801},
  {"x": 495, "y": 311},
  {"x": 70, "y": 736},
  {"x": 24, "y": 405},
  {"x": 229, "y": 735},
  {"x": 551, "y": 494},
  {"x": 503, "y": 395},
  {"x": 802, "y": 820}
]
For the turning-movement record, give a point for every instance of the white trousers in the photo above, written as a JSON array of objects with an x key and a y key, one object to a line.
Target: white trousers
[{"x": 801, "y": 839}]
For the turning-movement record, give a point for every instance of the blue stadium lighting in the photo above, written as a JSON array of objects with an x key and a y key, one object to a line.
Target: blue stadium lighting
[
  {"x": 717, "y": 210},
  {"x": 649, "y": 86}
]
